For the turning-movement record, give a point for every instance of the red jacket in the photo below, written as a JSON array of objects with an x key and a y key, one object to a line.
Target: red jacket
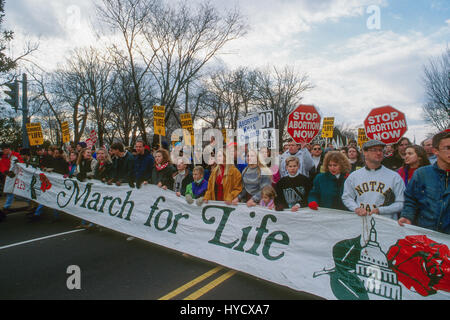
[
  {"x": 406, "y": 173},
  {"x": 5, "y": 162}
]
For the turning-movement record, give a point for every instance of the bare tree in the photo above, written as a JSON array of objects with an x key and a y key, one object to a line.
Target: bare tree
[
  {"x": 170, "y": 43},
  {"x": 229, "y": 96},
  {"x": 437, "y": 86},
  {"x": 122, "y": 109},
  {"x": 130, "y": 18},
  {"x": 95, "y": 79},
  {"x": 280, "y": 90},
  {"x": 184, "y": 40}
]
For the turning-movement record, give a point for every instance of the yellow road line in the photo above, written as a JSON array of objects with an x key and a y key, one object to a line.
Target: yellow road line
[
  {"x": 192, "y": 283},
  {"x": 197, "y": 294}
]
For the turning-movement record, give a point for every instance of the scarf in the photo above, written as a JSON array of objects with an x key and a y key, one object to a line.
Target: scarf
[{"x": 160, "y": 167}]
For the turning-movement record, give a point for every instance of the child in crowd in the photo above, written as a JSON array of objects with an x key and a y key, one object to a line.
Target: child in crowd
[
  {"x": 196, "y": 189},
  {"x": 292, "y": 190},
  {"x": 268, "y": 195},
  {"x": 181, "y": 178}
]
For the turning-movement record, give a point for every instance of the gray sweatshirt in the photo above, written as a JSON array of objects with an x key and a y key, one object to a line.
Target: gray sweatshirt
[{"x": 253, "y": 183}]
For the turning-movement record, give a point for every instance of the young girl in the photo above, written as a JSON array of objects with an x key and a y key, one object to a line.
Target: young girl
[
  {"x": 225, "y": 183},
  {"x": 415, "y": 157},
  {"x": 268, "y": 197},
  {"x": 163, "y": 170}
]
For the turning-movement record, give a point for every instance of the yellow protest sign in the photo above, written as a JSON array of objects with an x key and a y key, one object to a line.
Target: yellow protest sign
[
  {"x": 362, "y": 138},
  {"x": 159, "y": 115},
  {"x": 35, "y": 135},
  {"x": 328, "y": 127},
  {"x": 65, "y": 132},
  {"x": 186, "y": 123}
]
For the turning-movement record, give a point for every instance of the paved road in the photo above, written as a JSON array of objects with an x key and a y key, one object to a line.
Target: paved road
[{"x": 111, "y": 267}]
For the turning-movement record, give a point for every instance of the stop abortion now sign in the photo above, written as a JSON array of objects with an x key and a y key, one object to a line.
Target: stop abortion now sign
[
  {"x": 303, "y": 123},
  {"x": 385, "y": 124}
]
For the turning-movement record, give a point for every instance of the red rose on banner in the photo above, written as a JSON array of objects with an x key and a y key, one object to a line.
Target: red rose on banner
[
  {"x": 45, "y": 183},
  {"x": 421, "y": 263}
]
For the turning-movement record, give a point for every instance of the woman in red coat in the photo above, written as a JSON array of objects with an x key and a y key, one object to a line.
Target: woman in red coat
[{"x": 415, "y": 157}]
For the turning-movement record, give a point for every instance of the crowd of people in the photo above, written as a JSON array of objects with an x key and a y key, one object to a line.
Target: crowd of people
[{"x": 406, "y": 182}]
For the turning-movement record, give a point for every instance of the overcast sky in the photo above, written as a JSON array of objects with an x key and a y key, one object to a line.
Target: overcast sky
[{"x": 359, "y": 54}]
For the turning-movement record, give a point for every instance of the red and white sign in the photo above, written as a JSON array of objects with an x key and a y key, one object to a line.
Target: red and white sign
[
  {"x": 89, "y": 143},
  {"x": 385, "y": 124},
  {"x": 93, "y": 136},
  {"x": 304, "y": 123}
]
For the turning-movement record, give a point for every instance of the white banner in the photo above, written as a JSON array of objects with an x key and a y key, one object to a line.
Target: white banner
[{"x": 330, "y": 253}]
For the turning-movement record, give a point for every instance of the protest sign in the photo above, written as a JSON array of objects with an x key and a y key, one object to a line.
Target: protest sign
[
  {"x": 385, "y": 124},
  {"x": 303, "y": 123},
  {"x": 35, "y": 135}
]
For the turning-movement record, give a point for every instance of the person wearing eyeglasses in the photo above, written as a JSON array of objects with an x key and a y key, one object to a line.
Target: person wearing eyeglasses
[
  {"x": 317, "y": 157},
  {"x": 374, "y": 189},
  {"x": 427, "y": 196}
]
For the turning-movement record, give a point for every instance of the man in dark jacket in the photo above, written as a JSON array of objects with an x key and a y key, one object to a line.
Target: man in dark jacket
[
  {"x": 123, "y": 166},
  {"x": 427, "y": 195},
  {"x": 143, "y": 164}
]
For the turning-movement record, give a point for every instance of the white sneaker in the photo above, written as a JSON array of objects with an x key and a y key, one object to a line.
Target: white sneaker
[{"x": 130, "y": 238}]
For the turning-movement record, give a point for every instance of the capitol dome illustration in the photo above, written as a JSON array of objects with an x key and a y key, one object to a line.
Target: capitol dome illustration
[{"x": 372, "y": 268}]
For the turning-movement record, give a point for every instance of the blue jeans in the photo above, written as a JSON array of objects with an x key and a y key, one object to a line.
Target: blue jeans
[
  {"x": 38, "y": 211},
  {"x": 9, "y": 200}
]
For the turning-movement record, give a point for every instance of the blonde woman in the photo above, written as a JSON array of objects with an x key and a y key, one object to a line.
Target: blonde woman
[
  {"x": 328, "y": 186},
  {"x": 254, "y": 178},
  {"x": 103, "y": 167},
  {"x": 225, "y": 181}
]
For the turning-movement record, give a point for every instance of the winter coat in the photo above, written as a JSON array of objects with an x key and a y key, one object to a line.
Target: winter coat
[
  {"x": 427, "y": 199},
  {"x": 327, "y": 191},
  {"x": 123, "y": 168},
  {"x": 143, "y": 166},
  {"x": 232, "y": 184},
  {"x": 197, "y": 190},
  {"x": 165, "y": 176}
]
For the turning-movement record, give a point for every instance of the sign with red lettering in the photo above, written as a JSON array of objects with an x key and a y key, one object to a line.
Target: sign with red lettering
[
  {"x": 385, "y": 124},
  {"x": 93, "y": 136},
  {"x": 304, "y": 123}
]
